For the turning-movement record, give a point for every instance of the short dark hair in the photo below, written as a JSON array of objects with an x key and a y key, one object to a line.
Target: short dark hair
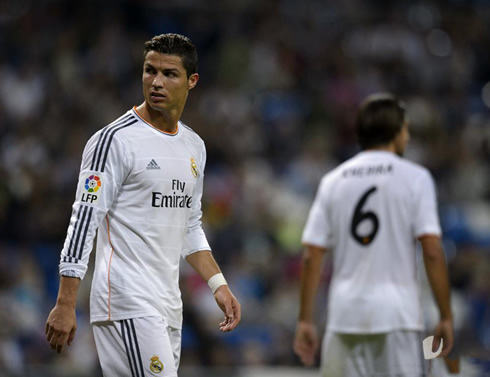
[
  {"x": 379, "y": 119},
  {"x": 174, "y": 44}
]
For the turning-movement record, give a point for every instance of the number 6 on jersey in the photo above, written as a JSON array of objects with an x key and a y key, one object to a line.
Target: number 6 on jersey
[{"x": 360, "y": 216}]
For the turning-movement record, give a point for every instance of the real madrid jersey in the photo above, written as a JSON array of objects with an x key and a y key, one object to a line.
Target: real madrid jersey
[
  {"x": 141, "y": 188},
  {"x": 369, "y": 212}
]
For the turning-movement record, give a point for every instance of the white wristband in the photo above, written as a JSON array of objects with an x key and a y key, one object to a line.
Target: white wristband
[{"x": 216, "y": 281}]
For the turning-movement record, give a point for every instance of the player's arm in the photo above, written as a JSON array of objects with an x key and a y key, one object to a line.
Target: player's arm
[
  {"x": 204, "y": 263},
  {"x": 316, "y": 235},
  {"x": 197, "y": 253},
  {"x": 89, "y": 208},
  {"x": 61, "y": 324},
  {"x": 306, "y": 340},
  {"x": 427, "y": 231},
  {"x": 437, "y": 274}
]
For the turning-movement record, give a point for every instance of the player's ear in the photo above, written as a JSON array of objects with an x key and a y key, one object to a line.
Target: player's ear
[{"x": 192, "y": 81}]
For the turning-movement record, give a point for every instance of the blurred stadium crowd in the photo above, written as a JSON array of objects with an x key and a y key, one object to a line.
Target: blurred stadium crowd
[{"x": 280, "y": 84}]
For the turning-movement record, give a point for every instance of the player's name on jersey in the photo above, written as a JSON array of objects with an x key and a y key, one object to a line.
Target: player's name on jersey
[
  {"x": 160, "y": 200},
  {"x": 366, "y": 171}
]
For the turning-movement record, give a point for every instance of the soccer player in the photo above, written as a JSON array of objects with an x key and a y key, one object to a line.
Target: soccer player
[
  {"x": 140, "y": 186},
  {"x": 369, "y": 212}
]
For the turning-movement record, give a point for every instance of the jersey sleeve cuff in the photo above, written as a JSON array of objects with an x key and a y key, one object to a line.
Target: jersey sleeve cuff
[
  {"x": 186, "y": 253},
  {"x": 72, "y": 271},
  {"x": 428, "y": 232},
  {"x": 70, "y": 274},
  {"x": 315, "y": 241},
  {"x": 195, "y": 241}
]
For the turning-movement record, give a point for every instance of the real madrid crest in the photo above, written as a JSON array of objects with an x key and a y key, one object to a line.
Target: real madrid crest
[
  {"x": 156, "y": 365},
  {"x": 194, "y": 169}
]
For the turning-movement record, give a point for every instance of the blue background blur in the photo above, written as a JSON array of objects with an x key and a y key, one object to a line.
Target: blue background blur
[{"x": 280, "y": 84}]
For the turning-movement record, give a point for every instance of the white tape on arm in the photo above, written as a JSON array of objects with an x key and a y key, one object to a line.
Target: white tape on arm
[{"x": 216, "y": 281}]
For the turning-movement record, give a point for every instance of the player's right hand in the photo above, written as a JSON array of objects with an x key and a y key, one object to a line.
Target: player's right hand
[
  {"x": 61, "y": 326},
  {"x": 306, "y": 342}
]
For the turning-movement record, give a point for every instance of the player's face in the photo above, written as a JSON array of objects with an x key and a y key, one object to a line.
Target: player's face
[
  {"x": 165, "y": 82},
  {"x": 402, "y": 139}
]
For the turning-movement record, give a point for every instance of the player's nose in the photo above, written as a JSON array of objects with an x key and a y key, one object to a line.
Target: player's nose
[{"x": 158, "y": 81}]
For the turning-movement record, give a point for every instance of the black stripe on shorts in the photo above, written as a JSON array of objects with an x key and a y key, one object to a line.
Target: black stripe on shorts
[
  {"x": 137, "y": 347},
  {"x": 129, "y": 349}
]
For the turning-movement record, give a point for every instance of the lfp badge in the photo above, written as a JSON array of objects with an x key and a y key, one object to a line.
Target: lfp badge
[{"x": 92, "y": 185}]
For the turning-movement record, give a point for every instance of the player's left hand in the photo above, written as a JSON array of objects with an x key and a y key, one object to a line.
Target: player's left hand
[
  {"x": 230, "y": 306},
  {"x": 444, "y": 330}
]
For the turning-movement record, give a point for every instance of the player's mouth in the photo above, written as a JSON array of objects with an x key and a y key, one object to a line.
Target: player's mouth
[{"x": 157, "y": 96}]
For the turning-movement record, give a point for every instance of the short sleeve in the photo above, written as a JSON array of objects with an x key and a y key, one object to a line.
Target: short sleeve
[
  {"x": 317, "y": 229},
  {"x": 426, "y": 216}
]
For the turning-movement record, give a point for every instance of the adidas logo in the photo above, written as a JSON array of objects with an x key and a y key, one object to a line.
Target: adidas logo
[{"x": 152, "y": 165}]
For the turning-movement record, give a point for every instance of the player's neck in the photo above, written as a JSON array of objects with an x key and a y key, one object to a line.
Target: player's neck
[
  {"x": 384, "y": 148},
  {"x": 166, "y": 122}
]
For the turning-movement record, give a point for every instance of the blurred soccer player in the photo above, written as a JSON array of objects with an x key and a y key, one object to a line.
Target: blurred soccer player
[
  {"x": 369, "y": 212},
  {"x": 140, "y": 185}
]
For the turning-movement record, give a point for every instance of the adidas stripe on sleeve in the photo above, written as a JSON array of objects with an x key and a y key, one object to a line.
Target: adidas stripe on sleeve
[{"x": 104, "y": 166}]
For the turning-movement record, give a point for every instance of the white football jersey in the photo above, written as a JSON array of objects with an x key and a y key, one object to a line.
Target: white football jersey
[
  {"x": 369, "y": 212},
  {"x": 141, "y": 188}
]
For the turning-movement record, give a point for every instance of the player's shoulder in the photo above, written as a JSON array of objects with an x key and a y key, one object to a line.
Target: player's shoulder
[
  {"x": 119, "y": 126},
  {"x": 110, "y": 137},
  {"x": 412, "y": 168},
  {"x": 334, "y": 174},
  {"x": 337, "y": 172},
  {"x": 190, "y": 134}
]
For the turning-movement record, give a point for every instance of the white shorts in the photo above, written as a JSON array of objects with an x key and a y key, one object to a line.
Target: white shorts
[
  {"x": 397, "y": 353},
  {"x": 138, "y": 347}
]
